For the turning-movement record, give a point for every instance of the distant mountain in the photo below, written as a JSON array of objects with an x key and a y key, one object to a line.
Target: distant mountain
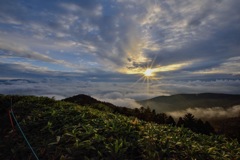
[{"x": 184, "y": 101}]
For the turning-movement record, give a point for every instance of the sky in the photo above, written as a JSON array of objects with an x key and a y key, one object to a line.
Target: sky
[{"x": 102, "y": 48}]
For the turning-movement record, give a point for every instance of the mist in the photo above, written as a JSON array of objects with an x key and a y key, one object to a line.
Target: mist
[
  {"x": 208, "y": 113},
  {"x": 118, "y": 99}
]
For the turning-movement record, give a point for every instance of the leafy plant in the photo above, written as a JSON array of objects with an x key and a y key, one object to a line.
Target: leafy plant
[{"x": 62, "y": 130}]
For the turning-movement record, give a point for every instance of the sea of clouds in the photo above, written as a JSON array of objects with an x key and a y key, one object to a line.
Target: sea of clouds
[{"x": 125, "y": 93}]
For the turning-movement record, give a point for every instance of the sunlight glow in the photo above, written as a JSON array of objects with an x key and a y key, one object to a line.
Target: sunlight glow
[{"x": 148, "y": 72}]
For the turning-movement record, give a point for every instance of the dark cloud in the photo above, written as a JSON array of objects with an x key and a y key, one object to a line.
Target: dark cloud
[
  {"x": 26, "y": 70},
  {"x": 207, "y": 53},
  {"x": 199, "y": 86},
  {"x": 202, "y": 14}
]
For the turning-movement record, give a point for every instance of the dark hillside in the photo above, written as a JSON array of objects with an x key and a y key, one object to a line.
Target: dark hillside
[
  {"x": 82, "y": 99},
  {"x": 62, "y": 130},
  {"x": 228, "y": 126},
  {"x": 85, "y": 100}
]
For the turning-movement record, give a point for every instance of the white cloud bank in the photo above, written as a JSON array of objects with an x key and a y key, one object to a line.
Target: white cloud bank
[
  {"x": 208, "y": 113},
  {"x": 123, "y": 102},
  {"x": 118, "y": 99}
]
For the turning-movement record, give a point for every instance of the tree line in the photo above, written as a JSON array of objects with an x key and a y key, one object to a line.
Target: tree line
[{"x": 187, "y": 121}]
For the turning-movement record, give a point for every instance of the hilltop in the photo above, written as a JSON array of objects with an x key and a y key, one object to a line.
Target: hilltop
[
  {"x": 64, "y": 130},
  {"x": 84, "y": 100}
]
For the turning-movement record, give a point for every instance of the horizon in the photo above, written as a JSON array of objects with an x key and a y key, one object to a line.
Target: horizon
[{"x": 119, "y": 50}]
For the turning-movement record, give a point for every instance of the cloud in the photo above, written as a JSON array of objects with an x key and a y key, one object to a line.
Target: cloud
[
  {"x": 208, "y": 113},
  {"x": 55, "y": 88},
  {"x": 198, "y": 86},
  {"x": 56, "y": 97},
  {"x": 202, "y": 43},
  {"x": 22, "y": 70},
  {"x": 14, "y": 50},
  {"x": 142, "y": 95},
  {"x": 10, "y": 49},
  {"x": 113, "y": 95},
  {"x": 118, "y": 99},
  {"x": 121, "y": 94},
  {"x": 229, "y": 66},
  {"x": 123, "y": 102}
]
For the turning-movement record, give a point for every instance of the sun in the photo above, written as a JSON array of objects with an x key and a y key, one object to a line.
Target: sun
[{"x": 148, "y": 72}]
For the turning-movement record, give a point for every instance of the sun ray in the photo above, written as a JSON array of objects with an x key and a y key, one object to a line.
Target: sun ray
[{"x": 137, "y": 81}]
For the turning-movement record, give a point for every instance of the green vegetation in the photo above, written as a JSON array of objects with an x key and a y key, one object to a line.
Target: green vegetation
[
  {"x": 63, "y": 130},
  {"x": 146, "y": 114}
]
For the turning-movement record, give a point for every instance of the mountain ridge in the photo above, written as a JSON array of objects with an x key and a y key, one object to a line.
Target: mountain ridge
[{"x": 184, "y": 101}]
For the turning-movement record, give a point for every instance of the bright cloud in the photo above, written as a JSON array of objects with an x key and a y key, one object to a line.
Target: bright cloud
[{"x": 208, "y": 113}]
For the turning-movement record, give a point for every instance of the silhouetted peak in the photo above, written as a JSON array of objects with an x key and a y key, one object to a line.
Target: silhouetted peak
[{"x": 82, "y": 99}]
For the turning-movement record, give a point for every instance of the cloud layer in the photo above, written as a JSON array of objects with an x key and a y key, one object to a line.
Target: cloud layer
[
  {"x": 209, "y": 113},
  {"x": 120, "y": 94}
]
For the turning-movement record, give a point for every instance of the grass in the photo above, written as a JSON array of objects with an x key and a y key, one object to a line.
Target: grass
[{"x": 61, "y": 130}]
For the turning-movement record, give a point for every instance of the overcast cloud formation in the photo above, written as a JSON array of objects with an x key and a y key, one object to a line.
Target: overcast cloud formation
[{"x": 193, "y": 47}]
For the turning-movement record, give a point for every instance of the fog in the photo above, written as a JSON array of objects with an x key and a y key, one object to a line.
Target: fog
[{"x": 208, "y": 113}]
